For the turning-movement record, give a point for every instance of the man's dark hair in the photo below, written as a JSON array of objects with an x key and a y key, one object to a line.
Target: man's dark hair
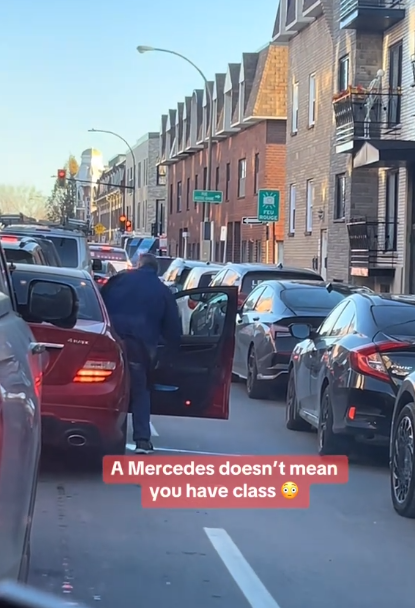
[{"x": 149, "y": 260}]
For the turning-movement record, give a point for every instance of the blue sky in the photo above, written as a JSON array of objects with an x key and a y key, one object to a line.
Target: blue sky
[{"x": 68, "y": 66}]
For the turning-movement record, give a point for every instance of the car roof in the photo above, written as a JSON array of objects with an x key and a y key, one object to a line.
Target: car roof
[
  {"x": 33, "y": 228},
  {"x": 72, "y": 273},
  {"x": 245, "y": 267},
  {"x": 107, "y": 248},
  {"x": 385, "y": 299},
  {"x": 205, "y": 269},
  {"x": 21, "y": 245},
  {"x": 310, "y": 284},
  {"x": 193, "y": 263}
]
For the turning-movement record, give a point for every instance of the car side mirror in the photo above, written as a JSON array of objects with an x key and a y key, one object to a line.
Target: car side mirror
[
  {"x": 53, "y": 302},
  {"x": 300, "y": 331}
]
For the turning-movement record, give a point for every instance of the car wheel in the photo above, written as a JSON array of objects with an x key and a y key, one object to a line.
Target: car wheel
[
  {"x": 402, "y": 470},
  {"x": 329, "y": 443},
  {"x": 118, "y": 449},
  {"x": 293, "y": 420},
  {"x": 254, "y": 387}
]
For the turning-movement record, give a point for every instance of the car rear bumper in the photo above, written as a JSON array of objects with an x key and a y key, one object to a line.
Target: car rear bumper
[
  {"x": 371, "y": 417},
  {"x": 81, "y": 426}
]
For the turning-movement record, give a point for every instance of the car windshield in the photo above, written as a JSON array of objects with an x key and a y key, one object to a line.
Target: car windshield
[
  {"x": 306, "y": 298},
  {"x": 67, "y": 249},
  {"x": 164, "y": 263},
  {"x": 18, "y": 256},
  {"x": 102, "y": 253},
  {"x": 89, "y": 307},
  {"x": 145, "y": 245},
  {"x": 395, "y": 320},
  {"x": 253, "y": 279}
]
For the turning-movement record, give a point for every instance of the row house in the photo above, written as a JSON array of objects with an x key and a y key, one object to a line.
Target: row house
[
  {"x": 110, "y": 198},
  {"x": 350, "y": 142},
  {"x": 248, "y": 131}
]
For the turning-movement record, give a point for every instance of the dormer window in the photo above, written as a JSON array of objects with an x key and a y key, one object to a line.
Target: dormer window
[
  {"x": 228, "y": 110},
  {"x": 241, "y": 101}
]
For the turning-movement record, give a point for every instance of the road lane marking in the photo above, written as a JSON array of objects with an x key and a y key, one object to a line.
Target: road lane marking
[
  {"x": 131, "y": 446},
  {"x": 244, "y": 576},
  {"x": 153, "y": 430}
]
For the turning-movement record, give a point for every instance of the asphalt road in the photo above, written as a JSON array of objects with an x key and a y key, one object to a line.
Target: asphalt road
[{"x": 93, "y": 543}]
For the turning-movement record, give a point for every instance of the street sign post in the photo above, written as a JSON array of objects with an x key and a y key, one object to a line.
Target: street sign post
[
  {"x": 207, "y": 196},
  {"x": 251, "y": 220},
  {"x": 268, "y": 205},
  {"x": 99, "y": 229}
]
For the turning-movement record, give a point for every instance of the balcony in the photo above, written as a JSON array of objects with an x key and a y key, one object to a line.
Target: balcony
[
  {"x": 371, "y": 15},
  {"x": 363, "y": 116},
  {"x": 372, "y": 247}
]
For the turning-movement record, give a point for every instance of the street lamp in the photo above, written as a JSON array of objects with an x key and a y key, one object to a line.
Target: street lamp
[
  {"x": 146, "y": 49},
  {"x": 133, "y": 159}
]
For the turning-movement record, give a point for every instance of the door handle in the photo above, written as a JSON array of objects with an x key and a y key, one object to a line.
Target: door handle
[{"x": 37, "y": 348}]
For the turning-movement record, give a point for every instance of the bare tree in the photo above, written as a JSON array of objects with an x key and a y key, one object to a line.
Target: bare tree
[{"x": 22, "y": 199}]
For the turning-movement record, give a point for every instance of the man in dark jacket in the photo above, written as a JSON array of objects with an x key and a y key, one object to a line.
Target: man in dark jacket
[{"x": 143, "y": 312}]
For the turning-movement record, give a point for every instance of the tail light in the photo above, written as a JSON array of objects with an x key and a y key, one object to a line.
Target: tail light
[
  {"x": 368, "y": 360},
  {"x": 9, "y": 239},
  {"x": 95, "y": 371},
  {"x": 102, "y": 281},
  {"x": 280, "y": 331},
  {"x": 191, "y": 304}
]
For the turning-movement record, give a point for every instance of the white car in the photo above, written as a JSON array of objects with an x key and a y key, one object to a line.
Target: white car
[
  {"x": 116, "y": 255},
  {"x": 200, "y": 276}
]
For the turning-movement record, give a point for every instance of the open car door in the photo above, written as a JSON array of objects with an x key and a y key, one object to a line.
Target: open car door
[{"x": 196, "y": 381}]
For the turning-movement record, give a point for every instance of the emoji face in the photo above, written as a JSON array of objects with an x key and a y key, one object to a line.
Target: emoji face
[{"x": 289, "y": 490}]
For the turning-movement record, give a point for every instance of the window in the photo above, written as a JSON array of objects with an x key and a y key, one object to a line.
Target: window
[
  {"x": 293, "y": 194},
  {"x": 343, "y": 73},
  {"x": 217, "y": 174},
  {"x": 340, "y": 197},
  {"x": 294, "y": 109},
  {"x": 228, "y": 180},
  {"x": 252, "y": 299},
  {"x": 161, "y": 175},
  {"x": 395, "y": 83},
  {"x": 145, "y": 172},
  {"x": 188, "y": 194},
  {"x": 139, "y": 175},
  {"x": 264, "y": 303},
  {"x": 196, "y": 186},
  {"x": 179, "y": 197},
  {"x": 256, "y": 173},
  {"x": 398, "y": 320},
  {"x": 306, "y": 298},
  {"x": 391, "y": 210},
  {"x": 204, "y": 178},
  {"x": 325, "y": 328},
  {"x": 345, "y": 323},
  {"x": 309, "y": 206},
  {"x": 171, "y": 198},
  {"x": 312, "y": 100},
  {"x": 67, "y": 250},
  {"x": 241, "y": 177}
]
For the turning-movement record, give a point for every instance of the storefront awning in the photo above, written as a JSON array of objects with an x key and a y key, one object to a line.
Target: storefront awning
[{"x": 385, "y": 153}]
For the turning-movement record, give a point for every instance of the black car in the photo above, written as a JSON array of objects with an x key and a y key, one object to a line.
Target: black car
[
  {"x": 247, "y": 276},
  {"x": 344, "y": 377},
  {"x": 402, "y": 449}
]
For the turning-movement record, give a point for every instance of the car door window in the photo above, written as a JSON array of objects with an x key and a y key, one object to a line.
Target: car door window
[
  {"x": 231, "y": 278},
  {"x": 345, "y": 323},
  {"x": 264, "y": 304},
  {"x": 219, "y": 279},
  {"x": 327, "y": 325},
  {"x": 5, "y": 288},
  {"x": 252, "y": 300}
]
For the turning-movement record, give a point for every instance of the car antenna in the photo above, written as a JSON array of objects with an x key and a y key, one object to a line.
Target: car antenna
[
  {"x": 279, "y": 265},
  {"x": 329, "y": 287}
]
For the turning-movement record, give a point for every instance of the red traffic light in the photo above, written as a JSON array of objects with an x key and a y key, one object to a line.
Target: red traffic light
[
  {"x": 128, "y": 223},
  {"x": 61, "y": 173},
  {"x": 122, "y": 218}
]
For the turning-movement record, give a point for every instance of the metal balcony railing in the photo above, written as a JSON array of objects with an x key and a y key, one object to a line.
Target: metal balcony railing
[
  {"x": 367, "y": 116},
  {"x": 350, "y": 6},
  {"x": 372, "y": 243}
]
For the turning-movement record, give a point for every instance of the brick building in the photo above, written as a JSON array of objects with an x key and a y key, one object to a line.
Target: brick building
[
  {"x": 110, "y": 198},
  {"x": 249, "y": 132},
  {"x": 350, "y": 161}
]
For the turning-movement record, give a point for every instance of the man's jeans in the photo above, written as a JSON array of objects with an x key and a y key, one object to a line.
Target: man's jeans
[{"x": 140, "y": 402}]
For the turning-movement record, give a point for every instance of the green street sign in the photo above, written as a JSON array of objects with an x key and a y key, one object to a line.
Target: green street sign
[
  {"x": 268, "y": 205},
  {"x": 207, "y": 196}
]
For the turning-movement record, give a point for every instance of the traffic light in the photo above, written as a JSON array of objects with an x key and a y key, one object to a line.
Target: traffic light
[
  {"x": 128, "y": 226},
  {"x": 62, "y": 178},
  {"x": 122, "y": 222}
]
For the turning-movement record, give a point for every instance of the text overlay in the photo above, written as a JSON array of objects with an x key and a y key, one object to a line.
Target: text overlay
[{"x": 220, "y": 482}]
